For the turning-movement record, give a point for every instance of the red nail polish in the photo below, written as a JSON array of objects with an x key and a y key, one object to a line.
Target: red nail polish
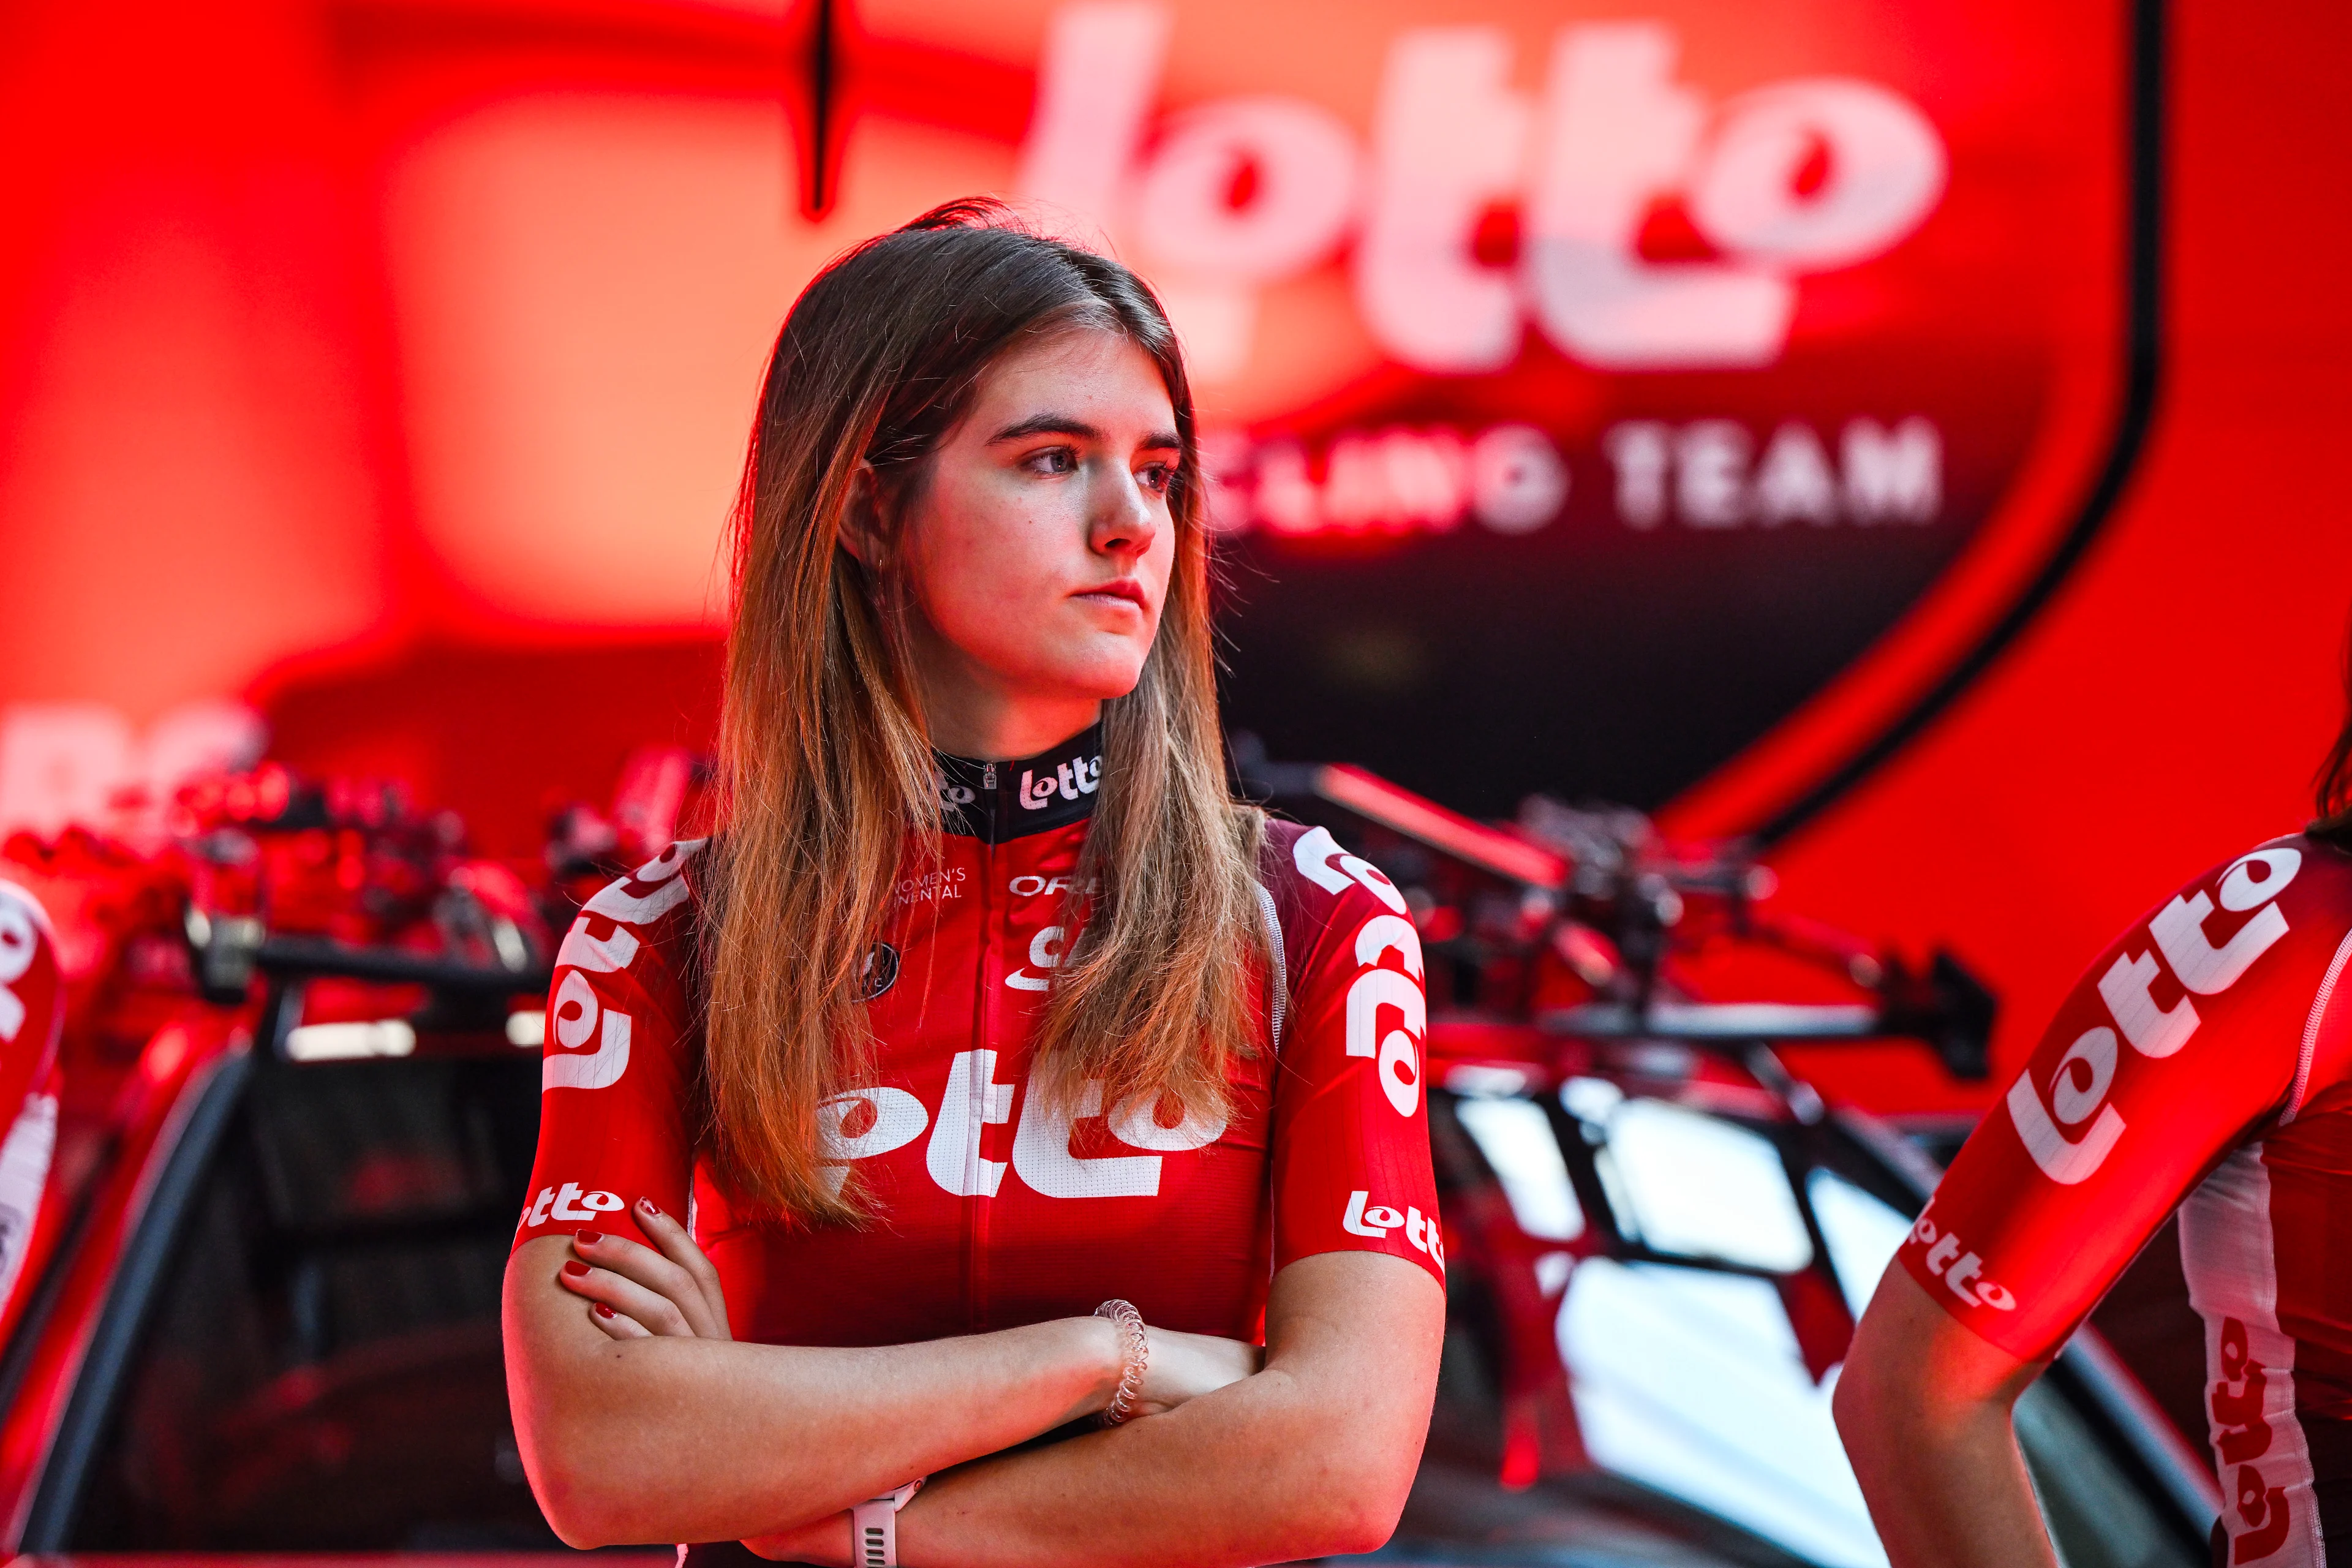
[
  {"x": 603, "y": 1311},
  {"x": 648, "y": 1205},
  {"x": 589, "y": 1237},
  {"x": 577, "y": 1270}
]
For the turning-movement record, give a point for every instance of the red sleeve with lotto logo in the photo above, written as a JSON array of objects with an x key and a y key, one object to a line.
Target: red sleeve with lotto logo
[
  {"x": 32, "y": 998},
  {"x": 31, "y": 1019},
  {"x": 616, "y": 1069},
  {"x": 1352, "y": 1163},
  {"x": 2186, "y": 1038}
]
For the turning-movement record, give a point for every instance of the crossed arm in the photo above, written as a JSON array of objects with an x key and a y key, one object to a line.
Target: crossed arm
[{"x": 651, "y": 1425}]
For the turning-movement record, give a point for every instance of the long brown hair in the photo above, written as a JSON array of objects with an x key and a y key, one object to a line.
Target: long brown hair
[
  {"x": 2333, "y": 788},
  {"x": 825, "y": 770}
]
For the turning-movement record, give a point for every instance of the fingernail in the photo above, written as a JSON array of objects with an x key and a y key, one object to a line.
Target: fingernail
[
  {"x": 589, "y": 1237},
  {"x": 577, "y": 1270},
  {"x": 603, "y": 1311},
  {"x": 648, "y": 1205}
]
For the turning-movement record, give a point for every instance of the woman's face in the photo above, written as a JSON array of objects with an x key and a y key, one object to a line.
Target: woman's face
[{"x": 1038, "y": 547}]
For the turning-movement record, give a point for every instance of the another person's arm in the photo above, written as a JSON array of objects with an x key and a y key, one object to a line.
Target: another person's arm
[
  {"x": 1925, "y": 1407},
  {"x": 2140, "y": 1087}
]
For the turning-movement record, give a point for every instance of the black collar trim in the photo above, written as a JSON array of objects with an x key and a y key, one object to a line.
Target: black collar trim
[{"x": 996, "y": 801}]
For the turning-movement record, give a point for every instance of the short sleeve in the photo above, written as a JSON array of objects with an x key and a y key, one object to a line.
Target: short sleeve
[
  {"x": 1352, "y": 1164},
  {"x": 31, "y": 1019},
  {"x": 2180, "y": 1044},
  {"x": 32, "y": 996},
  {"x": 616, "y": 1070}
]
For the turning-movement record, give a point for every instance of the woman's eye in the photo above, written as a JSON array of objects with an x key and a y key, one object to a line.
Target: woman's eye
[
  {"x": 1053, "y": 460},
  {"x": 1157, "y": 477}
]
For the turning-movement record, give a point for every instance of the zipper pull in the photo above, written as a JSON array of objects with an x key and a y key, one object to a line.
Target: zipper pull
[{"x": 987, "y": 775}]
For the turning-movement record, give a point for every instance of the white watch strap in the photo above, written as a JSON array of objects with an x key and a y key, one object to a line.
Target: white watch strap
[{"x": 874, "y": 1527}]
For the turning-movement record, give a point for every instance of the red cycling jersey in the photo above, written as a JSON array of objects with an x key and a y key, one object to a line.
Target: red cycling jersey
[
  {"x": 990, "y": 1210},
  {"x": 2206, "y": 1057}
]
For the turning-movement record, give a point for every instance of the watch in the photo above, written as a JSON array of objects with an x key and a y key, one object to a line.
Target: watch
[{"x": 874, "y": 1527}]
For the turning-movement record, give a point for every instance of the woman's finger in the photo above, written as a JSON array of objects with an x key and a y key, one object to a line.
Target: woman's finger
[
  {"x": 680, "y": 1247},
  {"x": 640, "y": 1264},
  {"x": 619, "y": 1325},
  {"x": 652, "y": 1309}
]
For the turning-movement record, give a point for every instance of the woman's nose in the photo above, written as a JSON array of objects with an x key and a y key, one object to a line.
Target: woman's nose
[{"x": 1124, "y": 523}]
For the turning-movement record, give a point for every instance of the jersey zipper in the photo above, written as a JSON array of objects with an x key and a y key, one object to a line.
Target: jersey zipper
[{"x": 976, "y": 1206}]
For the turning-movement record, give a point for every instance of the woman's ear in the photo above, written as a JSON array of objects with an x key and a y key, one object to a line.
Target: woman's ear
[{"x": 860, "y": 528}]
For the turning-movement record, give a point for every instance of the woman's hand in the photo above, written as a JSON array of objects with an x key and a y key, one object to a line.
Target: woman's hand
[
  {"x": 635, "y": 1291},
  {"x": 1186, "y": 1366}
]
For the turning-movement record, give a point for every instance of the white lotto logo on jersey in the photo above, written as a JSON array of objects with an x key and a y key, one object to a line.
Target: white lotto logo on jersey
[
  {"x": 602, "y": 941},
  {"x": 2070, "y": 1135},
  {"x": 1068, "y": 781},
  {"x": 569, "y": 1205},
  {"x": 1376, "y": 1220},
  {"x": 1378, "y": 992},
  {"x": 1962, "y": 1271},
  {"x": 867, "y": 1122}
]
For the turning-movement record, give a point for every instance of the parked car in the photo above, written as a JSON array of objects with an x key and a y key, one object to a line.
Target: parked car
[{"x": 299, "y": 1118}]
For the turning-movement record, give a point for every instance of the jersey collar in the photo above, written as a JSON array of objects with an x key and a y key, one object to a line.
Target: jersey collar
[{"x": 996, "y": 801}]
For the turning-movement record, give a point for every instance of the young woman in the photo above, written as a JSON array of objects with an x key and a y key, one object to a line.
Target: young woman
[
  {"x": 2204, "y": 1065},
  {"x": 984, "y": 1007}
]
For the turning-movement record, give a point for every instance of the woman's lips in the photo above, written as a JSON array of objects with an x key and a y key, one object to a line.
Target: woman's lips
[{"x": 1126, "y": 591}]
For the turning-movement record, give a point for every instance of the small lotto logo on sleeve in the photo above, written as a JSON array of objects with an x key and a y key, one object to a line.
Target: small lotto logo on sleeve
[
  {"x": 1365, "y": 1217},
  {"x": 568, "y": 1204},
  {"x": 1962, "y": 1271}
]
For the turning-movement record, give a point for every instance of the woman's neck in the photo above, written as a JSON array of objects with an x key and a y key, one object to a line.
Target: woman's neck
[
  {"x": 970, "y": 713},
  {"x": 986, "y": 714},
  {"x": 1016, "y": 732}
]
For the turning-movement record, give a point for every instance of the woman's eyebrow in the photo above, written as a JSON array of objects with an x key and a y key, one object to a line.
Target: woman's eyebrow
[
  {"x": 1046, "y": 425},
  {"x": 1064, "y": 424}
]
